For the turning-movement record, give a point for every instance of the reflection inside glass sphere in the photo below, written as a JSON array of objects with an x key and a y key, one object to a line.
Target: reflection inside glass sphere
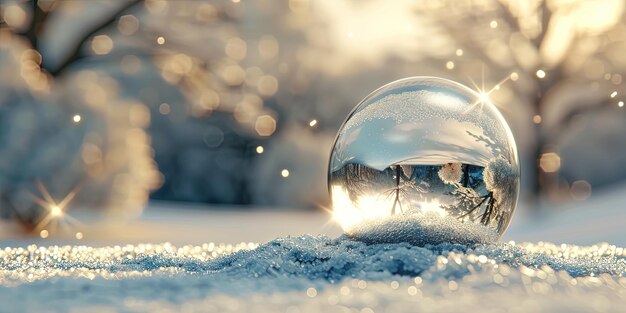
[{"x": 429, "y": 147}]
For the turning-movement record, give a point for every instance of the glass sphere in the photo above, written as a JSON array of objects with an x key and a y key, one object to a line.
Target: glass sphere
[{"x": 428, "y": 150}]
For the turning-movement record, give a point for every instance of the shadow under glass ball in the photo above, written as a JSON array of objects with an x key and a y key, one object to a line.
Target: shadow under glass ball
[{"x": 424, "y": 160}]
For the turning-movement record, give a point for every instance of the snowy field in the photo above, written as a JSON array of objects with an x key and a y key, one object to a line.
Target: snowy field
[
  {"x": 310, "y": 274},
  {"x": 109, "y": 270}
]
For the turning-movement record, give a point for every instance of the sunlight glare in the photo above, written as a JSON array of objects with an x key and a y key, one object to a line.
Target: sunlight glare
[
  {"x": 484, "y": 97},
  {"x": 56, "y": 211},
  {"x": 433, "y": 206},
  {"x": 348, "y": 213}
]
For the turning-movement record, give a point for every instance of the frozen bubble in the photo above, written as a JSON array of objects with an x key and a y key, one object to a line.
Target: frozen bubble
[{"x": 424, "y": 146}]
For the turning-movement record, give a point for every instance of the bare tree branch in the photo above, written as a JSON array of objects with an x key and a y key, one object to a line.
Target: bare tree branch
[
  {"x": 76, "y": 49},
  {"x": 562, "y": 124},
  {"x": 511, "y": 20},
  {"x": 546, "y": 17}
]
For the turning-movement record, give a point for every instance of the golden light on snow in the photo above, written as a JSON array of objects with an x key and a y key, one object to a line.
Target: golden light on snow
[
  {"x": 233, "y": 75},
  {"x": 484, "y": 93},
  {"x": 550, "y": 162},
  {"x": 432, "y": 207},
  {"x": 267, "y": 85},
  {"x": 156, "y": 6},
  {"x": 265, "y": 125},
  {"x": 128, "y": 24},
  {"x": 484, "y": 96},
  {"x": 540, "y": 74},
  {"x": 236, "y": 48},
  {"x": 101, "y": 44},
  {"x": 56, "y": 211},
  {"x": 311, "y": 292},
  {"x": 268, "y": 47},
  {"x": 616, "y": 79},
  {"x": 164, "y": 109},
  {"x": 363, "y": 34},
  {"x": 348, "y": 213}
]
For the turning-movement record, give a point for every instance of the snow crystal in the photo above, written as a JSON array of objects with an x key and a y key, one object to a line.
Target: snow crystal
[{"x": 315, "y": 273}]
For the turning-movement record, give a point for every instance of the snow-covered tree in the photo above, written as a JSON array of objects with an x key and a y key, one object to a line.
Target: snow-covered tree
[
  {"x": 451, "y": 173},
  {"x": 564, "y": 59},
  {"x": 208, "y": 80},
  {"x": 499, "y": 178},
  {"x": 77, "y": 140}
]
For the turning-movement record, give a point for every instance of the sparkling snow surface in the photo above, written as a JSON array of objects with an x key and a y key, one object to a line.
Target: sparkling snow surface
[
  {"x": 421, "y": 229},
  {"x": 314, "y": 273}
]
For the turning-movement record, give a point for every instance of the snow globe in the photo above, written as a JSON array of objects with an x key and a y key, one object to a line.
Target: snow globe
[{"x": 424, "y": 160}]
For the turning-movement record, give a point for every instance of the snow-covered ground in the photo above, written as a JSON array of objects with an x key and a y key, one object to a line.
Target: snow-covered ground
[
  {"x": 314, "y": 273},
  {"x": 259, "y": 269},
  {"x": 602, "y": 218}
]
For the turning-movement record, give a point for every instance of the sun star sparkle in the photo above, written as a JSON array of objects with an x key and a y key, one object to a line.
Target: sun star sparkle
[{"x": 56, "y": 211}]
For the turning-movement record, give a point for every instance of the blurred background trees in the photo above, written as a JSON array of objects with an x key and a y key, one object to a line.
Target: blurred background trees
[
  {"x": 237, "y": 102},
  {"x": 565, "y": 64}
]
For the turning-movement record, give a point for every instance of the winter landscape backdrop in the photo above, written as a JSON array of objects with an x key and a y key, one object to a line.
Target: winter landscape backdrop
[
  {"x": 189, "y": 122},
  {"x": 116, "y": 103}
]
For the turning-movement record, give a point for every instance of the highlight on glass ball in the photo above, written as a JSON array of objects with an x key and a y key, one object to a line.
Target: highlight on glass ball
[{"x": 424, "y": 157}]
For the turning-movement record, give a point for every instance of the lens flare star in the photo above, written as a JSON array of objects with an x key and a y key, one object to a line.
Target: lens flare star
[
  {"x": 484, "y": 92},
  {"x": 56, "y": 212}
]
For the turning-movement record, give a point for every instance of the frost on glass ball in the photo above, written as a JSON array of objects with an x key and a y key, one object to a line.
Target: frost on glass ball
[{"x": 424, "y": 160}]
